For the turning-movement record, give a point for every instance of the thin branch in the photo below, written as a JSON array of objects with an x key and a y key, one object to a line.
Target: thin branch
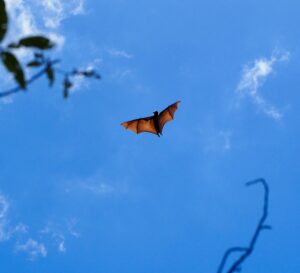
[
  {"x": 28, "y": 82},
  {"x": 227, "y": 254},
  {"x": 236, "y": 266}
]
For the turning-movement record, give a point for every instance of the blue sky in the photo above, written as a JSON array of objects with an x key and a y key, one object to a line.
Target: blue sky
[{"x": 78, "y": 193}]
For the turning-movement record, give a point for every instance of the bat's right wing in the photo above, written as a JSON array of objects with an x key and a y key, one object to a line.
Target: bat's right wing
[
  {"x": 167, "y": 115},
  {"x": 141, "y": 125}
]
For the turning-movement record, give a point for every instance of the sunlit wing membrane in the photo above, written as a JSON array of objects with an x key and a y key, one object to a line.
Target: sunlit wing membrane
[
  {"x": 131, "y": 125},
  {"x": 167, "y": 115},
  {"x": 146, "y": 125},
  {"x": 140, "y": 125}
]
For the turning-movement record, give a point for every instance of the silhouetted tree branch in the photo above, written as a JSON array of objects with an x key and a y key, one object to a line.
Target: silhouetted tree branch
[
  {"x": 42, "y": 44},
  {"x": 247, "y": 251},
  {"x": 28, "y": 82}
]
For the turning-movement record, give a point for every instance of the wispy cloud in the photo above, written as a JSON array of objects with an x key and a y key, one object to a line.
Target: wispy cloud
[
  {"x": 55, "y": 11},
  {"x": 33, "y": 248},
  {"x": 121, "y": 73},
  {"x": 24, "y": 21},
  {"x": 4, "y": 231},
  {"x": 7, "y": 230},
  {"x": 61, "y": 247},
  {"x": 6, "y": 100},
  {"x": 220, "y": 141},
  {"x": 80, "y": 82},
  {"x": 4, "y": 205},
  {"x": 100, "y": 188},
  {"x": 21, "y": 228},
  {"x": 253, "y": 78},
  {"x": 28, "y": 17},
  {"x": 72, "y": 227},
  {"x": 56, "y": 234},
  {"x": 52, "y": 237},
  {"x": 98, "y": 185},
  {"x": 119, "y": 53},
  {"x": 226, "y": 135}
]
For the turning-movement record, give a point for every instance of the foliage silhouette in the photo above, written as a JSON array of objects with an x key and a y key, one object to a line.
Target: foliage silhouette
[{"x": 38, "y": 45}]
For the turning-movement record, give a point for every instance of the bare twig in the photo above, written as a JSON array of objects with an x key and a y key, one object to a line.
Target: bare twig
[
  {"x": 28, "y": 82},
  {"x": 247, "y": 251}
]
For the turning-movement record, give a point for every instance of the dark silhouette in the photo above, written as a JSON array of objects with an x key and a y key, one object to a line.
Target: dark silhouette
[
  {"x": 153, "y": 124},
  {"x": 39, "y": 45},
  {"x": 247, "y": 251}
]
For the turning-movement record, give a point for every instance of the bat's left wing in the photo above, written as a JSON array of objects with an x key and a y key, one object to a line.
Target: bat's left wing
[
  {"x": 141, "y": 125},
  {"x": 167, "y": 115}
]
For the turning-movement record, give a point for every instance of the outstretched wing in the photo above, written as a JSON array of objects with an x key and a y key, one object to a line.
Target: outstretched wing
[
  {"x": 167, "y": 115},
  {"x": 141, "y": 125}
]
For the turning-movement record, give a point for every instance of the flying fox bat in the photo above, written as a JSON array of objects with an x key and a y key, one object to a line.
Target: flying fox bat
[{"x": 153, "y": 124}]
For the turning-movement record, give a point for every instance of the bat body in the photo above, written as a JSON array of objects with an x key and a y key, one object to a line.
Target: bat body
[{"x": 153, "y": 124}]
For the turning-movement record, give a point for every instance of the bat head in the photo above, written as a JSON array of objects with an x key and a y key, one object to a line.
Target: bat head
[{"x": 155, "y": 113}]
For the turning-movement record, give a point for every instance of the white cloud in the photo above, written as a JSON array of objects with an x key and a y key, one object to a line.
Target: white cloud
[
  {"x": 4, "y": 229},
  {"x": 226, "y": 135},
  {"x": 254, "y": 76},
  {"x": 78, "y": 8},
  {"x": 22, "y": 21},
  {"x": 80, "y": 82},
  {"x": 61, "y": 247},
  {"x": 25, "y": 19},
  {"x": 4, "y": 205},
  {"x": 29, "y": 17},
  {"x": 55, "y": 233},
  {"x": 33, "y": 248},
  {"x": 121, "y": 73},
  {"x": 7, "y": 230},
  {"x": 21, "y": 228},
  {"x": 55, "y": 11},
  {"x": 52, "y": 235},
  {"x": 119, "y": 53},
  {"x": 72, "y": 227},
  {"x": 100, "y": 188},
  {"x": 6, "y": 100},
  {"x": 219, "y": 142},
  {"x": 98, "y": 185}
]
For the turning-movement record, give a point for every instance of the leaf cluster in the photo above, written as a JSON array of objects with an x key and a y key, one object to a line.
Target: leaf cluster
[{"x": 39, "y": 45}]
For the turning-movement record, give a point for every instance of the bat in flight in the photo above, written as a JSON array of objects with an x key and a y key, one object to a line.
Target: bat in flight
[{"x": 153, "y": 124}]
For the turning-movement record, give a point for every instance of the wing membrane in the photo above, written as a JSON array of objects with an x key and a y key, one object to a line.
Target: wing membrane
[
  {"x": 167, "y": 115},
  {"x": 141, "y": 125}
]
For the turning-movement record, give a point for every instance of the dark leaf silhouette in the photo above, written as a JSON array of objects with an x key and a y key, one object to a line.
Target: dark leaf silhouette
[
  {"x": 153, "y": 124},
  {"x": 50, "y": 74},
  {"x": 3, "y": 20},
  {"x": 87, "y": 73},
  {"x": 34, "y": 63},
  {"x": 39, "y": 42},
  {"x": 39, "y": 55},
  {"x": 67, "y": 86},
  {"x": 12, "y": 64}
]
